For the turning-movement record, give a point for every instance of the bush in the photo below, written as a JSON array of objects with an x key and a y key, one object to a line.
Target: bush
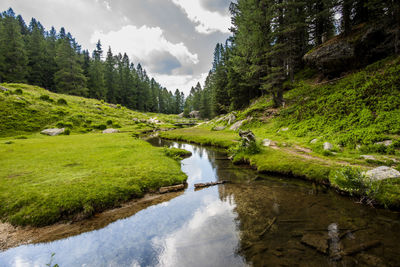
[
  {"x": 100, "y": 126},
  {"x": 62, "y": 101},
  {"x": 46, "y": 98},
  {"x": 18, "y": 91},
  {"x": 62, "y": 124},
  {"x": 67, "y": 132},
  {"x": 109, "y": 122},
  {"x": 351, "y": 180},
  {"x": 116, "y": 125}
]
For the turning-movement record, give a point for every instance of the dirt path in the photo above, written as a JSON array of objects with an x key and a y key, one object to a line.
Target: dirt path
[{"x": 11, "y": 236}]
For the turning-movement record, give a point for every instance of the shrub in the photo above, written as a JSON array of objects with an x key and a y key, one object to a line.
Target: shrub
[
  {"x": 116, "y": 125},
  {"x": 62, "y": 101},
  {"x": 62, "y": 124},
  {"x": 351, "y": 180},
  {"x": 46, "y": 98},
  {"x": 109, "y": 122},
  {"x": 18, "y": 91},
  {"x": 67, "y": 132},
  {"x": 100, "y": 126}
]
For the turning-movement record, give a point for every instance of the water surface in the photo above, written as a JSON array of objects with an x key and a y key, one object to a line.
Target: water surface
[{"x": 226, "y": 225}]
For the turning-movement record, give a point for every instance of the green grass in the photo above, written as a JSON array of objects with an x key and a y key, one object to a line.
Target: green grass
[
  {"x": 203, "y": 136},
  {"x": 28, "y": 109},
  {"x": 46, "y": 179}
]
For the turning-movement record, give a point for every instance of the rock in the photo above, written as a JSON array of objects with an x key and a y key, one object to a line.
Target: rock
[
  {"x": 194, "y": 114},
  {"x": 381, "y": 173},
  {"x": 328, "y": 146},
  {"x": 267, "y": 142},
  {"x": 247, "y": 136},
  {"x": 219, "y": 128},
  {"x": 319, "y": 242},
  {"x": 230, "y": 118},
  {"x": 135, "y": 119},
  {"x": 154, "y": 121},
  {"x": 110, "y": 130},
  {"x": 181, "y": 115},
  {"x": 385, "y": 143},
  {"x": 237, "y": 125},
  {"x": 315, "y": 140},
  {"x": 112, "y": 106},
  {"x": 3, "y": 89},
  {"x": 364, "y": 45},
  {"x": 53, "y": 132},
  {"x": 370, "y": 157},
  {"x": 284, "y": 129}
]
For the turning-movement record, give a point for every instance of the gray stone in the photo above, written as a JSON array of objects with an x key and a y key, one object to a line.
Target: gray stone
[
  {"x": 219, "y": 128},
  {"x": 110, "y": 130},
  {"x": 315, "y": 140},
  {"x": 381, "y": 173},
  {"x": 267, "y": 142},
  {"x": 154, "y": 121},
  {"x": 180, "y": 115},
  {"x": 385, "y": 143},
  {"x": 370, "y": 157},
  {"x": 248, "y": 137},
  {"x": 194, "y": 114},
  {"x": 3, "y": 89},
  {"x": 53, "y": 132},
  {"x": 230, "y": 118},
  {"x": 237, "y": 125},
  {"x": 328, "y": 146},
  {"x": 285, "y": 129}
]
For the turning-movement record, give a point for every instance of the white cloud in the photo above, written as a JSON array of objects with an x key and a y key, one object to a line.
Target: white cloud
[
  {"x": 207, "y": 21},
  {"x": 182, "y": 82},
  {"x": 141, "y": 42}
]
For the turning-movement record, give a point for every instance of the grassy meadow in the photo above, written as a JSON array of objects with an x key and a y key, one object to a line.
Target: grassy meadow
[{"x": 46, "y": 179}]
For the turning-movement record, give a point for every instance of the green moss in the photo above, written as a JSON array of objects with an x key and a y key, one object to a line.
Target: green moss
[
  {"x": 176, "y": 153},
  {"x": 47, "y": 179}
]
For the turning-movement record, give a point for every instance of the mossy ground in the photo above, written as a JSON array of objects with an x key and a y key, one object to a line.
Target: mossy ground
[
  {"x": 46, "y": 179},
  {"x": 352, "y": 114}
]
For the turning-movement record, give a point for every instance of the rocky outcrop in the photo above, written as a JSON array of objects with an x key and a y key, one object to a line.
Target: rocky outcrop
[
  {"x": 385, "y": 143},
  {"x": 53, "y": 132},
  {"x": 364, "y": 45},
  {"x": 110, "y": 131},
  {"x": 3, "y": 89},
  {"x": 381, "y": 173},
  {"x": 248, "y": 137}
]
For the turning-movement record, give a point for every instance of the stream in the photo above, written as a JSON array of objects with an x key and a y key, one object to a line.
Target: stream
[{"x": 256, "y": 220}]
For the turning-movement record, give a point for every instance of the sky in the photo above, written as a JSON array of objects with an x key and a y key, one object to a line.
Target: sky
[{"x": 174, "y": 40}]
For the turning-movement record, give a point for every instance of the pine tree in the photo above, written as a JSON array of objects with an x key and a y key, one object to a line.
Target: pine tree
[
  {"x": 96, "y": 75},
  {"x": 69, "y": 78},
  {"x": 13, "y": 60},
  {"x": 36, "y": 49}
]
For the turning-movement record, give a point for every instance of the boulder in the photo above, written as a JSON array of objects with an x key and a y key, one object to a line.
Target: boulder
[
  {"x": 366, "y": 43},
  {"x": 219, "y": 128},
  {"x": 267, "y": 142},
  {"x": 53, "y": 132},
  {"x": 237, "y": 125},
  {"x": 314, "y": 141},
  {"x": 181, "y": 115},
  {"x": 110, "y": 130},
  {"x": 194, "y": 114},
  {"x": 3, "y": 89},
  {"x": 328, "y": 146},
  {"x": 370, "y": 157},
  {"x": 385, "y": 143},
  {"x": 154, "y": 121},
  {"x": 230, "y": 118},
  {"x": 381, "y": 173}
]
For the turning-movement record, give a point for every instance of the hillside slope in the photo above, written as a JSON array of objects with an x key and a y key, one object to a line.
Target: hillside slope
[
  {"x": 355, "y": 114},
  {"x": 27, "y": 109}
]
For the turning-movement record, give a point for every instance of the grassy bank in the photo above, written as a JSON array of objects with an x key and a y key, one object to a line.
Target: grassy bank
[
  {"x": 46, "y": 179},
  {"x": 353, "y": 113}
]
